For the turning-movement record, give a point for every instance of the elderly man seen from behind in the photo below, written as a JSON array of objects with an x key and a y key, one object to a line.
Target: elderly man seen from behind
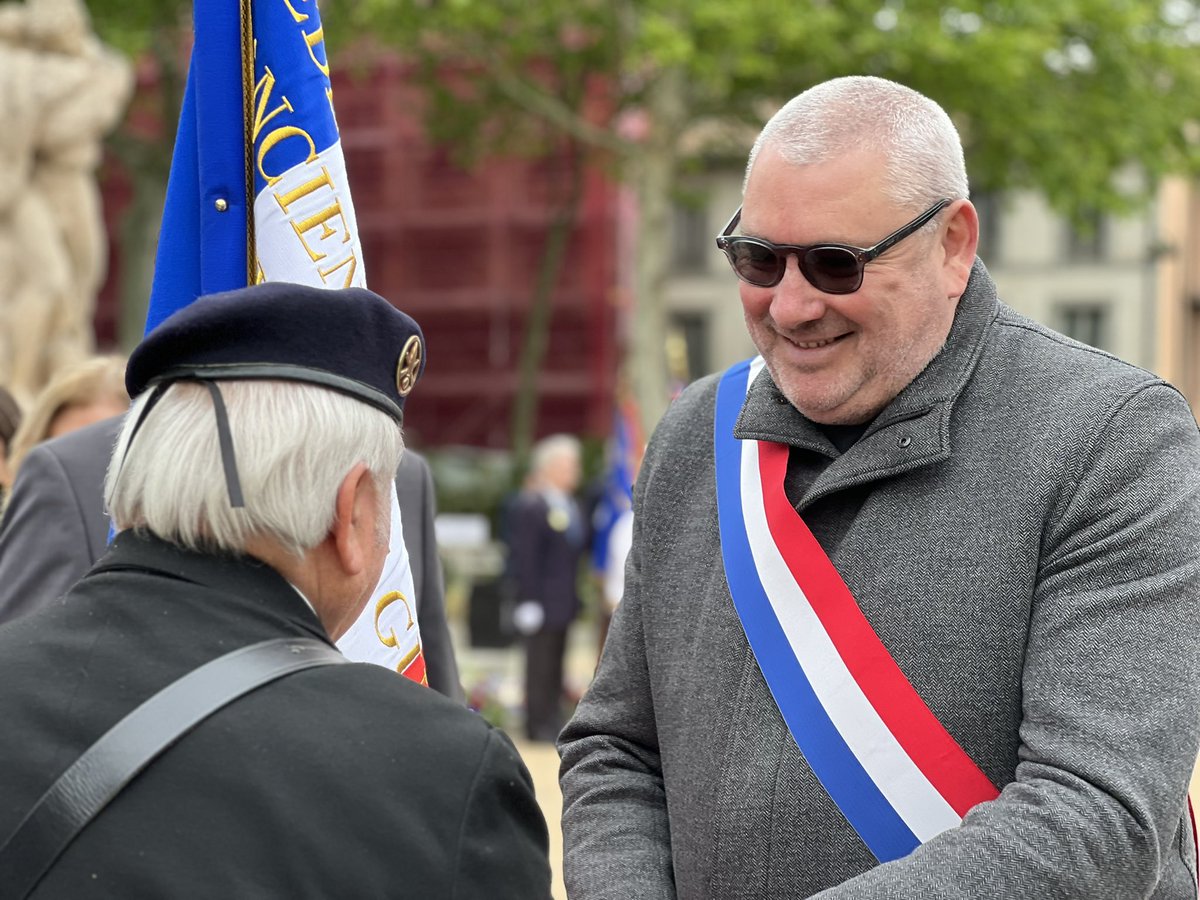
[
  {"x": 250, "y": 487},
  {"x": 911, "y": 606}
]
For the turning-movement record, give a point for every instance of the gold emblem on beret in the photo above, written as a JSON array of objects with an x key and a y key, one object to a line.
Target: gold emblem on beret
[{"x": 410, "y": 366}]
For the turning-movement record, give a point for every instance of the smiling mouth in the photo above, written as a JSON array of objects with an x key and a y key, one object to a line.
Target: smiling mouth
[{"x": 816, "y": 345}]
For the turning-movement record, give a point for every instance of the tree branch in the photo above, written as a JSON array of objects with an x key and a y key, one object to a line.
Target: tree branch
[{"x": 541, "y": 104}]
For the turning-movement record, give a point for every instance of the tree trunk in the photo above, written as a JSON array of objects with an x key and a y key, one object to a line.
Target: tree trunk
[
  {"x": 653, "y": 172},
  {"x": 148, "y": 164},
  {"x": 139, "y": 242},
  {"x": 537, "y": 325}
]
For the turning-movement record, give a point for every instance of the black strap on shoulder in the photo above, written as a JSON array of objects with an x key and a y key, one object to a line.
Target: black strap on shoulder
[{"x": 134, "y": 742}]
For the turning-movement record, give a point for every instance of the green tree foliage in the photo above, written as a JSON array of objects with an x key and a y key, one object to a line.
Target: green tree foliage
[
  {"x": 1055, "y": 96},
  {"x": 156, "y": 34}
]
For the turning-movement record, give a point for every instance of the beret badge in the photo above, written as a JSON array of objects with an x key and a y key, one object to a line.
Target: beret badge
[{"x": 409, "y": 366}]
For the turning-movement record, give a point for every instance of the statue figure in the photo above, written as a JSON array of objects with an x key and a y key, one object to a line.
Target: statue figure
[{"x": 61, "y": 92}]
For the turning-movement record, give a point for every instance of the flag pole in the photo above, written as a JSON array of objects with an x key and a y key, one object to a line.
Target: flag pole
[{"x": 247, "y": 17}]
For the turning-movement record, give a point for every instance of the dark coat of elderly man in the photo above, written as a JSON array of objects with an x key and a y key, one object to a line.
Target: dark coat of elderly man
[
  {"x": 251, "y": 488},
  {"x": 911, "y": 609}
]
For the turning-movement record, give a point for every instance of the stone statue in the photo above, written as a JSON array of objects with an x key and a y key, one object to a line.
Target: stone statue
[{"x": 61, "y": 92}]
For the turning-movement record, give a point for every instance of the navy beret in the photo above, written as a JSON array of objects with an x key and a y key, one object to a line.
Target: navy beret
[{"x": 349, "y": 340}]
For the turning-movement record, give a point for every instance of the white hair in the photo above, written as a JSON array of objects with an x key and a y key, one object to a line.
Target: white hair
[
  {"x": 920, "y": 145},
  {"x": 551, "y": 448},
  {"x": 294, "y": 444}
]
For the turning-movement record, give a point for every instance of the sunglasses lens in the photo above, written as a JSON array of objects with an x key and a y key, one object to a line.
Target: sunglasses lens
[
  {"x": 832, "y": 269},
  {"x": 755, "y": 263}
]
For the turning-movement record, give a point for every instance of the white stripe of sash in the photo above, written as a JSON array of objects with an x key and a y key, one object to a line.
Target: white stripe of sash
[{"x": 914, "y": 798}]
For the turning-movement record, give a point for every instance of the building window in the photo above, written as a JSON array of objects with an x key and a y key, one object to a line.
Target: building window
[
  {"x": 1085, "y": 322},
  {"x": 687, "y": 346},
  {"x": 987, "y": 206},
  {"x": 1087, "y": 241},
  {"x": 690, "y": 235}
]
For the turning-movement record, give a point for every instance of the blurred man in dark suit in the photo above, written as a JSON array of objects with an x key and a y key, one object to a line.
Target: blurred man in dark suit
[{"x": 546, "y": 535}]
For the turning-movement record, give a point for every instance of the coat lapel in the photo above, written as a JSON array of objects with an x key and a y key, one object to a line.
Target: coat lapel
[{"x": 911, "y": 432}]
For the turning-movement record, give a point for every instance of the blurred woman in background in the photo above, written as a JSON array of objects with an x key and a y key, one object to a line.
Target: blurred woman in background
[
  {"x": 10, "y": 418},
  {"x": 78, "y": 395}
]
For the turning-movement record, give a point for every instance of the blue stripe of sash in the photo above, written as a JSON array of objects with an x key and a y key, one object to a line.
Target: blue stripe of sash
[{"x": 831, "y": 760}]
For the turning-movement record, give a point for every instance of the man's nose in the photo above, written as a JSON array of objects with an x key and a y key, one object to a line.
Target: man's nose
[{"x": 796, "y": 302}]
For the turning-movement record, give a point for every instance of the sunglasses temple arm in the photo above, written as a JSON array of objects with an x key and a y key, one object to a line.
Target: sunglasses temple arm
[
  {"x": 904, "y": 231},
  {"x": 732, "y": 223}
]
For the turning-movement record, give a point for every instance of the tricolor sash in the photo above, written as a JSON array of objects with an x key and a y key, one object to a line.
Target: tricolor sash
[{"x": 893, "y": 770}]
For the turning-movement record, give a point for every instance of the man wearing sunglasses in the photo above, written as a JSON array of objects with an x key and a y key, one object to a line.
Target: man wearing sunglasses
[{"x": 911, "y": 606}]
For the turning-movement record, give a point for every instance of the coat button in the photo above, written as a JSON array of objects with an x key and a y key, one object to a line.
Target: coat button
[{"x": 905, "y": 441}]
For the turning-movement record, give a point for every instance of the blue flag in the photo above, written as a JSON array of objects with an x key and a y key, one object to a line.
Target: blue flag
[
  {"x": 258, "y": 188},
  {"x": 203, "y": 245},
  {"x": 625, "y": 454},
  {"x": 258, "y": 192}
]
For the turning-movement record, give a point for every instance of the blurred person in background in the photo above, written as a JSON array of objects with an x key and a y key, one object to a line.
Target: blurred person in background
[
  {"x": 77, "y": 396},
  {"x": 546, "y": 538},
  {"x": 10, "y": 419},
  {"x": 54, "y": 525}
]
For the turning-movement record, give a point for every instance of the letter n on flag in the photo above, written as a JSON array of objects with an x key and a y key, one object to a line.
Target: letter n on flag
[{"x": 258, "y": 192}]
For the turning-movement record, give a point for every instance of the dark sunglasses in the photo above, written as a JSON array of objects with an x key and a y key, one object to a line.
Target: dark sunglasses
[{"x": 832, "y": 268}]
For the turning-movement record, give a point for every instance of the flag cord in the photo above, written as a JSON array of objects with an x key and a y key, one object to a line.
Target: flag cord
[{"x": 247, "y": 16}]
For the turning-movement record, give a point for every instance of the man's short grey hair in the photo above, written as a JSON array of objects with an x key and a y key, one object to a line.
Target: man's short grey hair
[
  {"x": 921, "y": 147},
  {"x": 551, "y": 448},
  {"x": 294, "y": 444}
]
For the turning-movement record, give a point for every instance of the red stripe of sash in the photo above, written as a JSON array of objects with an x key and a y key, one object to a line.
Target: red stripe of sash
[
  {"x": 939, "y": 757},
  {"x": 1195, "y": 841}
]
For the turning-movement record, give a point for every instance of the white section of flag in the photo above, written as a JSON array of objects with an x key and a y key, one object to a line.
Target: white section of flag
[
  {"x": 306, "y": 233},
  {"x": 363, "y": 641},
  {"x": 305, "y": 228}
]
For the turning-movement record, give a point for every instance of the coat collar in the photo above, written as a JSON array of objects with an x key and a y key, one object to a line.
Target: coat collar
[
  {"x": 913, "y": 430},
  {"x": 242, "y": 580}
]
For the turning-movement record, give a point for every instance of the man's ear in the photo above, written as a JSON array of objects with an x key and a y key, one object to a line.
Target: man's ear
[
  {"x": 959, "y": 242},
  {"x": 353, "y": 529}
]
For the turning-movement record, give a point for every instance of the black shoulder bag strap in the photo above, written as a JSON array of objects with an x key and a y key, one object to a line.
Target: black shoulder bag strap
[{"x": 134, "y": 742}]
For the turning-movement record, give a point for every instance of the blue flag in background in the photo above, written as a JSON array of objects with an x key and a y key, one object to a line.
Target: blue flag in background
[
  {"x": 258, "y": 192},
  {"x": 624, "y": 455}
]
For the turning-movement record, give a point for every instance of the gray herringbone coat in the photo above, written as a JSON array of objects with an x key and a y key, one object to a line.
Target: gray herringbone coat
[{"x": 1020, "y": 528}]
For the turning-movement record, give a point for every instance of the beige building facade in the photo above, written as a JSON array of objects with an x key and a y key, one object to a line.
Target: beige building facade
[{"x": 1177, "y": 329}]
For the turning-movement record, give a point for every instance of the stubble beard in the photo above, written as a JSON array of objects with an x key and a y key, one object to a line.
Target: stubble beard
[{"x": 856, "y": 391}]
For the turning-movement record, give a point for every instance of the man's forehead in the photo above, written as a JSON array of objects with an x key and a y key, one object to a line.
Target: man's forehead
[{"x": 842, "y": 198}]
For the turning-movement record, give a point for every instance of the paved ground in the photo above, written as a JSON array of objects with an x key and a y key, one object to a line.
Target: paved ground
[
  {"x": 494, "y": 678},
  {"x": 542, "y": 761}
]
